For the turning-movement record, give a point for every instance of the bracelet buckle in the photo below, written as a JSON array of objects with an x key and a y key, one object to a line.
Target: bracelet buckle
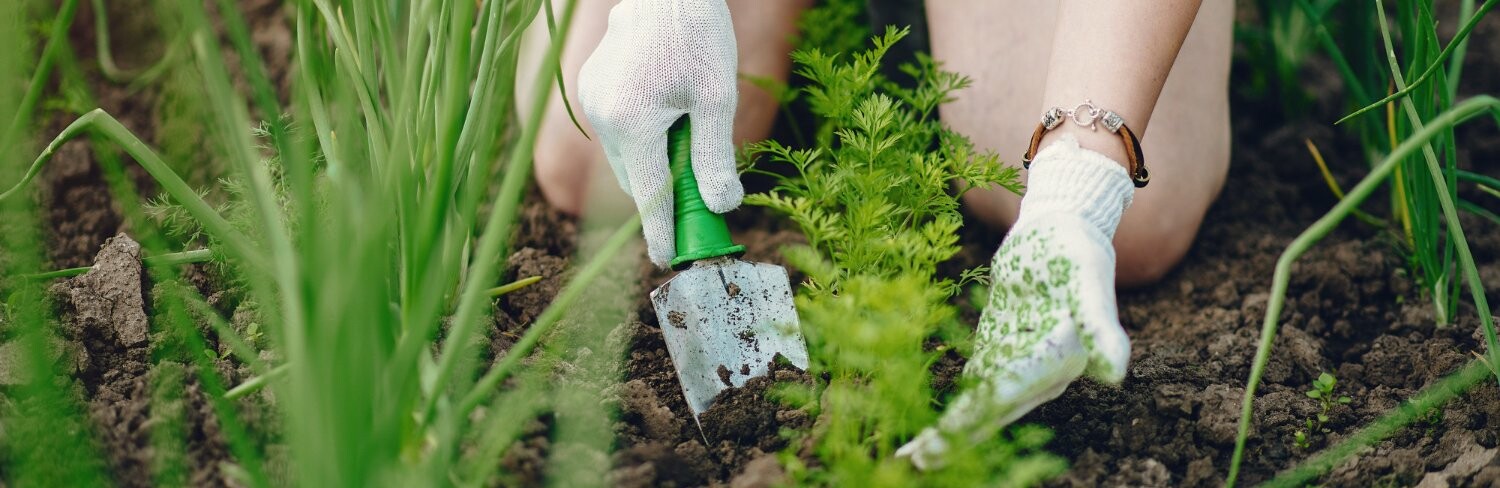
[{"x": 1087, "y": 114}]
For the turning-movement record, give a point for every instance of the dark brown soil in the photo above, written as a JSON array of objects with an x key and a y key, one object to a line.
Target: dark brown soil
[
  {"x": 105, "y": 345},
  {"x": 131, "y": 397},
  {"x": 659, "y": 443},
  {"x": 749, "y": 417},
  {"x": 105, "y": 312},
  {"x": 1352, "y": 311}
]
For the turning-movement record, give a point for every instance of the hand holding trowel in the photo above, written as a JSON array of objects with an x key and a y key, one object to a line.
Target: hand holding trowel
[
  {"x": 661, "y": 63},
  {"x": 724, "y": 319}
]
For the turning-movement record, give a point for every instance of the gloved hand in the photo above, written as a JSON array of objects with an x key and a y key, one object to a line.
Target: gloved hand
[
  {"x": 659, "y": 60},
  {"x": 1051, "y": 314}
]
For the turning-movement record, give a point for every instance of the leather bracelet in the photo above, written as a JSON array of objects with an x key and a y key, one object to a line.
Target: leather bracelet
[{"x": 1089, "y": 115}]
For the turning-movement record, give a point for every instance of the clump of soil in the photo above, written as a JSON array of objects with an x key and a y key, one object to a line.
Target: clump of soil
[
  {"x": 140, "y": 410},
  {"x": 105, "y": 308},
  {"x": 105, "y": 311},
  {"x": 749, "y": 417},
  {"x": 742, "y": 424}
]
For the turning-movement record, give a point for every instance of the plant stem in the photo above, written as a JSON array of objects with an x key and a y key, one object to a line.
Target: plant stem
[
  {"x": 107, "y": 65},
  {"x": 513, "y": 286},
  {"x": 56, "y": 39},
  {"x": 1482, "y": 212},
  {"x": 101, "y": 123},
  {"x": 1485, "y": 182},
  {"x": 173, "y": 259},
  {"x": 1458, "y": 40},
  {"x": 257, "y": 382},
  {"x": 1357, "y": 195},
  {"x": 1333, "y": 185}
]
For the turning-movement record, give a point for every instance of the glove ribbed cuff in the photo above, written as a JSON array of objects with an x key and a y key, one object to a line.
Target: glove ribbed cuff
[{"x": 1068, "y": 179}]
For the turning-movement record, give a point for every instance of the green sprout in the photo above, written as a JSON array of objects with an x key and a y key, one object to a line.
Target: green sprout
[{"x": 1323, "y": 392}]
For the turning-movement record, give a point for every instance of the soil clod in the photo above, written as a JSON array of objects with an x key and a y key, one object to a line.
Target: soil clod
[
  {"x": 725, "y": 375},
  {"x": 748, "y": 416}
]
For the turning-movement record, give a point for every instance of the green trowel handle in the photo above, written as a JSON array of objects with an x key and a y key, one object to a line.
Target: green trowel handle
[{"x": 701, "y": 234}]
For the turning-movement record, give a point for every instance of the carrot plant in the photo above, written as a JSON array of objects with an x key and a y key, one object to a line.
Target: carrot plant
[
  {"x": 877, "y": 196},
  {"x": 362, "y": 223}
]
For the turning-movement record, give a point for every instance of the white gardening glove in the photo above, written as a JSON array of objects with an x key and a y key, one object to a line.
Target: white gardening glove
[
  {"x": 660, "y": 60},
  {"x": 1051, "y": 314}
]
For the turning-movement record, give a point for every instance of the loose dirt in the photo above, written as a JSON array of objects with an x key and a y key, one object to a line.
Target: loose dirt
[{"x": 1352, "y": 310}]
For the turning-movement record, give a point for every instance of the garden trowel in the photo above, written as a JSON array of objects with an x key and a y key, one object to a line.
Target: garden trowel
[{"x": 724, "y": 320}]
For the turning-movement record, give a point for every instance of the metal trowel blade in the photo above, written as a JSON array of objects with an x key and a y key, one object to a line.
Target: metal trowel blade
[{"x": 724, "y": 321}]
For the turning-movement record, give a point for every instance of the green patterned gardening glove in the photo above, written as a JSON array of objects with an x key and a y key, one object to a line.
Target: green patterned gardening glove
[{"x": 1051, "y": 314}]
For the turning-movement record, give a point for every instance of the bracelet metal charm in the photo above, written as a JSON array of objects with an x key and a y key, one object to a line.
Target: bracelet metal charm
[{"x": 1087, "y": 114}]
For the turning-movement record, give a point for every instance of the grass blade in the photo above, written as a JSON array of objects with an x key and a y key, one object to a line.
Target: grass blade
[
  {"x": 173, "y": 259},
  {"x": 1478, "y": 210},
  {"x": 1299, "y": 246},
  {"x": 101, "y": 123},
  {"x": 498, "y": 229},
  {"x": 1457, "y": 41},
  {"x": 56, "y": 39}
]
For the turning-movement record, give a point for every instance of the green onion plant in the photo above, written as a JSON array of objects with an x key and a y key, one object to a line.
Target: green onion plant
[
  {"x": 1419, "y": 80},
  {"x": 1413, "y": 149},
  {"x": 366, "y": 224}
]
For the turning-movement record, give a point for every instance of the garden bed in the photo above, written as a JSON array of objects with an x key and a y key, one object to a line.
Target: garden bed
[{"x": 1352, "y": 311}]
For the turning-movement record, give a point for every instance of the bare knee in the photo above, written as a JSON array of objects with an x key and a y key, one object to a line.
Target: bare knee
[
  {"x": 1152, "y": 239},
  {"x": 563, "y": 170}
]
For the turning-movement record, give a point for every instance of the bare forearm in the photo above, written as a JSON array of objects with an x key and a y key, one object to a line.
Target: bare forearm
[{"x": 1118, "y": 54}]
